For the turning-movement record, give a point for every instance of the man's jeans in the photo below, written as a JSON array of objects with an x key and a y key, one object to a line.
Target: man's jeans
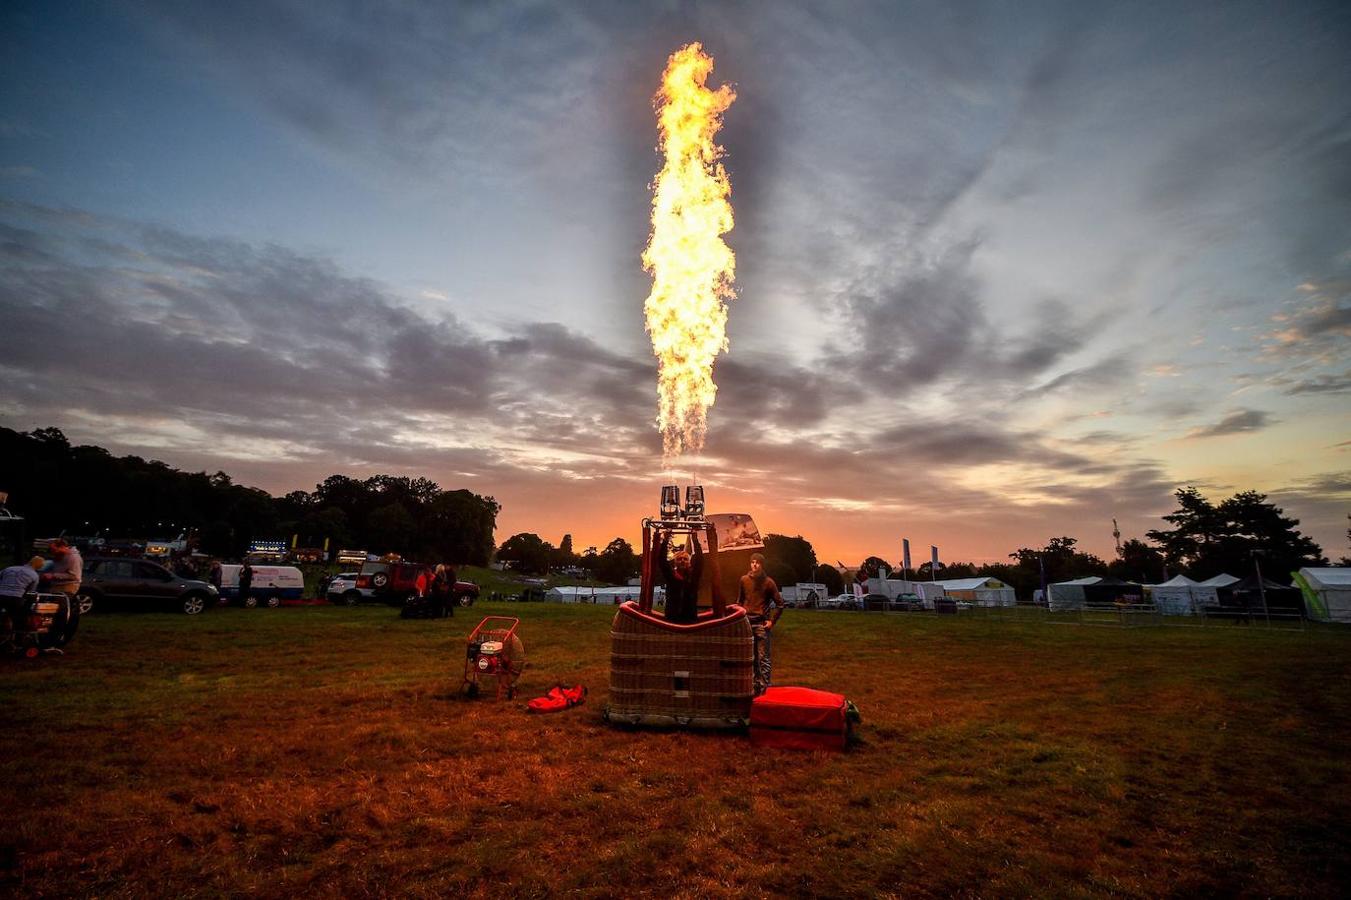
[{"x": 764, "y": 645}]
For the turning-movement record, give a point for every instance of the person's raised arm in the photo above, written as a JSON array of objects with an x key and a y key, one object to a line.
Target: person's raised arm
[{"x": 659, "y": 553}]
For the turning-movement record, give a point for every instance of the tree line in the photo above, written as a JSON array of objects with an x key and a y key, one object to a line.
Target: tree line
[
  {"x": 1205, "y": 539},
  {"x": 85, "y": 490}
]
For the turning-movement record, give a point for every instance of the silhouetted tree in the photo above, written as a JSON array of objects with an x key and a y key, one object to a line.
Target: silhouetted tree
[
  {"x": 789, "y": 558},
  {"x": 83, "y": 490},
  {"x": 617, "y": 563},
  {"x": 873, "y": 566},
  {"x": 563, "y": 556},
  {"x": 1207, "y": 540},
  {"x": 528, "y": 553},
  {"x": 830, "y": 577},
  {"x": 457, "y": 527},
  {"x": 1139, "y": 562}
]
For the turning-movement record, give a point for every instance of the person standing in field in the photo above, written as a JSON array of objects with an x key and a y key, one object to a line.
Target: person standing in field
[
  {"x": 245, "y": 582},
  {"x": 760, "y": 597},
  {"x": 64, "y": 577},
  {"x": 443, "y": 591}
]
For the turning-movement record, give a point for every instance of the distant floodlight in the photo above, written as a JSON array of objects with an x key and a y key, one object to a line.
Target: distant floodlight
[{"x": 694, "y": 501}]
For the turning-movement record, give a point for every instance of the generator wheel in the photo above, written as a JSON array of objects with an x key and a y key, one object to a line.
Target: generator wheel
[{"x": 471, "y": 690}]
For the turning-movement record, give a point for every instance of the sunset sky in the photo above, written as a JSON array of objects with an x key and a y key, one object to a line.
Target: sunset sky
[{"x": 1005, "y": 271}]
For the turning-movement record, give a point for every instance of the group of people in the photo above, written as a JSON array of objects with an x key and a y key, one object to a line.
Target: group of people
[
  {"x": 756, "y": 593},
  {"x": 435, "y": 594},
  {"x": 61, "y": 575}
]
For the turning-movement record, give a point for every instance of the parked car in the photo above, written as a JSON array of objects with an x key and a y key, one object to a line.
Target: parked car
[
  {"x": 115, "y": 581},
  {"x": 392, "y": 582},
  {"x": 466, "y": 592},
  {"x": 908, "y": 603},
  {"x": 342, "y": 590},
  {"x": 876, "y": 602},
  {"x": 840, "y": 601}
]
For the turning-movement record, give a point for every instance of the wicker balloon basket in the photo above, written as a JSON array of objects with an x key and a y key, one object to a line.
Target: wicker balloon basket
[{"x": 697, "y": 675}]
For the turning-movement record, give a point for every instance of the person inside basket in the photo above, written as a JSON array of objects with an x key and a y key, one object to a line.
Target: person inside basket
[
  {"x": 764, "y": 604},
  {"x": 681, "y": 573}
]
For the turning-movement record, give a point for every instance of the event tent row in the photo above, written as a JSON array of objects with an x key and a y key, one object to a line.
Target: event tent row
[
  {"x": 1327, "y": 593},
  {"x": 606, "y": 596},
  {"x": 1321, "y": 594}
]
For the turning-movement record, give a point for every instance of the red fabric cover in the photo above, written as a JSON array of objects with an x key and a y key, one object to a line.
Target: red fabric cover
[
  {"x": 799, "y": 718},
  {"x": 707, "y": 618},
  {"x": 558, "y": 698}
]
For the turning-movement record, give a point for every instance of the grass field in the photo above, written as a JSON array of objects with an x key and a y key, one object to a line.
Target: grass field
[{"x": 322, "y": 751}]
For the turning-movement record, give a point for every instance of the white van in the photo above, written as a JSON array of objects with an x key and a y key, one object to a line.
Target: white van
[{"x": 271, "y": 585}]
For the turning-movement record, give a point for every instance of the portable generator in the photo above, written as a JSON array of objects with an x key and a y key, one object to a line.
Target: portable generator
[
  {"x": 494, "y": 650},
  {"x": 35, "y": 624}
]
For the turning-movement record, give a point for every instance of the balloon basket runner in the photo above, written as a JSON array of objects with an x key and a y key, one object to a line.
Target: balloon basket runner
[{"x": 495, "y": 655}]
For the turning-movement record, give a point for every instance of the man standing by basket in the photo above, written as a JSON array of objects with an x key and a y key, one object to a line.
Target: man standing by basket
[{"x": 764, "y": 604}]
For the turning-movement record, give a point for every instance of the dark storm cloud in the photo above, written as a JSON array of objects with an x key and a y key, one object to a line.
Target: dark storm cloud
[{"x": 1238, "y": 422}]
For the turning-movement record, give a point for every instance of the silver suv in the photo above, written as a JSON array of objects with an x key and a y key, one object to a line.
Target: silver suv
[{"x": 342, "y": 590}]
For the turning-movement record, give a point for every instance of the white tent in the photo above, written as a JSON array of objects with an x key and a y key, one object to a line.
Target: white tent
[
  {"x": 927, "y": 591},
  {"x": 1180, "y": 596},
  {"x": 1327, "y": 593},
  {"x": 980, "y": 591},
  {"x": 1220, "y": 581},
  {"x": 1068, "y": 594},
  {"x": 606, "y": 596}
]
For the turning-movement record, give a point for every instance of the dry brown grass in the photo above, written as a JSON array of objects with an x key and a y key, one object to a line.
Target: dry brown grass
[{"x": 324, "y": 752}]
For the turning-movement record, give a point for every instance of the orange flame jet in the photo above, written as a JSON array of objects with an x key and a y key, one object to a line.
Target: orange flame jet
[{"x": 692, "y": 267}]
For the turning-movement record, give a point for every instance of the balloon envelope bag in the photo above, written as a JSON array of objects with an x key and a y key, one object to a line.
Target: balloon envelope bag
[{"x": 798, "y": 718}]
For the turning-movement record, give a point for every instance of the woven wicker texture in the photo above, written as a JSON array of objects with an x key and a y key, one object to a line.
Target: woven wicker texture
[{"x": 662, "y": 672}]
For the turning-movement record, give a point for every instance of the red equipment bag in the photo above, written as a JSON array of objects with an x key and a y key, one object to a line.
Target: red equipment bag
[{"x": 798, "y": 718}]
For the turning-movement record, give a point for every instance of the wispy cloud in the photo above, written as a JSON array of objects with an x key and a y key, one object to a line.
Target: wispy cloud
[{"x": 1237, "y": 422}]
